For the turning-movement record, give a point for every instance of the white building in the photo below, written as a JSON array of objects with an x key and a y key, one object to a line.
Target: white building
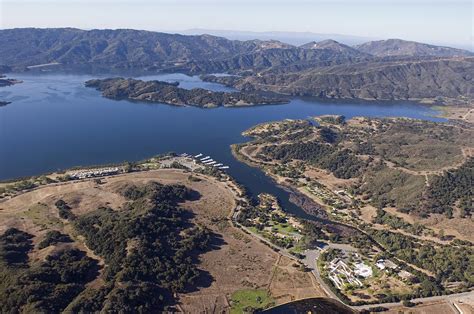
[{"x": 363, "y": 270}]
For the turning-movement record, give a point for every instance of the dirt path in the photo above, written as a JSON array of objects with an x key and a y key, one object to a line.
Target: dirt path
[
  {"x": 274, "y": 272},
  {"x": 467, "y": 152}
]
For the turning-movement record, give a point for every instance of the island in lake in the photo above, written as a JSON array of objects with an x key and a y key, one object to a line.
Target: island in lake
[{"x": 170, "y": 93}]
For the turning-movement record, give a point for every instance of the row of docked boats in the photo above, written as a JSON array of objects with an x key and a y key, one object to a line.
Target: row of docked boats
[{"x": 206, "y": 160}]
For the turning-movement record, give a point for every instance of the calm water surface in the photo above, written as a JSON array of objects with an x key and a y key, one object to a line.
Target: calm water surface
[{"x": 55, "y": 123}]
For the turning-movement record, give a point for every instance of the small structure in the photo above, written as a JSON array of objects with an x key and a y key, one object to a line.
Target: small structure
[
  {"x": 380, "y": 264},
  {"x": 363, "y": 270},
  {"x": 383, "y": 264}
]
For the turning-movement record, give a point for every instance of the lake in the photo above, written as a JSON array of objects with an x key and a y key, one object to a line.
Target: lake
[{"x": 54, "y": 123}]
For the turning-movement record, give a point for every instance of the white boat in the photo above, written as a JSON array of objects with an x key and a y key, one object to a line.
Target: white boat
[
  {"x": 207, "y": 162},
  {"x": 217, "y": 165},
  {"x": 211, "y": 163},
  {"x": 198, "y": 155},
  {"x": 224, "y": 167},
  {"x": 205, "y": 158}
]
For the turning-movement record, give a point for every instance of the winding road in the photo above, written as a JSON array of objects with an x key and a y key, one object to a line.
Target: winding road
[{"x": 311, "y": 258}]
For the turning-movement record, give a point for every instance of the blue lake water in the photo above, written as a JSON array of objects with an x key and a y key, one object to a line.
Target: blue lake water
[{"x": 54, "y": 122}]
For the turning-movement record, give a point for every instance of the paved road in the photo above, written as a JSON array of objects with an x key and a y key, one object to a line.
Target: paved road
[
  {"x": 429, "y": 299},
  {"x": 310, "y": 261}
]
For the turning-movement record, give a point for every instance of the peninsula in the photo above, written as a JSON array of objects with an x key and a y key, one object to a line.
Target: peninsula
[
  {"x": 404, "y": 184},
  {"x": 4, "y": 81},
  {"x": 170, "y": 93}
]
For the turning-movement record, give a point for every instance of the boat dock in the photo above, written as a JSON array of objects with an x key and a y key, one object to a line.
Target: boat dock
[{"x": 206, "y": 160}]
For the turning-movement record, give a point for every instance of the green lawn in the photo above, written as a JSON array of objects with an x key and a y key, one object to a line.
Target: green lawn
[
  {"x": 285, "y": 229},
  {"x": 245, "y": 299},
  {"x": 253, "y": 229}
]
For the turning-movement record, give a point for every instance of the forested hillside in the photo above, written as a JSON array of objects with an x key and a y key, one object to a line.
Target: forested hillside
[{"x": 149, "y": 248}]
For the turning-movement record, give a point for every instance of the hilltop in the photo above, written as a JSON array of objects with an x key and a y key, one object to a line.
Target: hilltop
[
  {"x": 336, "y": 47},
  {"x": 399, "y": 47}
]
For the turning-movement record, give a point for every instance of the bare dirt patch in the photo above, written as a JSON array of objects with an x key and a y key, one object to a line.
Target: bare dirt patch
[
  {"x": 289, "y": 283},
  {"x": 441, "y": 307},
  {"x": 462, "y": 113},
  {"x": 460, "y": 228},
  {"x": 328, "y": 179},
  {"x": 368, "y": 213}
]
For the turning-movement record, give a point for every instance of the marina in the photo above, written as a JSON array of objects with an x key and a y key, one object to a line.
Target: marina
[{"x": 206, "y": 161}]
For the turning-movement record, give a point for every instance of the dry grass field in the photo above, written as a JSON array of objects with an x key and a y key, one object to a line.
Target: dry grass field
[{"x": 237, "y": 261}]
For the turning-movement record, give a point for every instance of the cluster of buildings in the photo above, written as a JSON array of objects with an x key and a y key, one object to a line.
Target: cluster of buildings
[
  {"x": 342, "y": 272},
  {"x": 84, "y": 174}
]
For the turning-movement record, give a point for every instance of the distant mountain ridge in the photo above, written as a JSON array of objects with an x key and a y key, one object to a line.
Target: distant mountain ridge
[
  {"x": 398, "y": 47},
  {"x": 390, "y": 69},
  {"x": 133, "y": 48},
  {"x": 292, "y": 38},
  {"x": 394, "y": 80},
  {"x": 21, "y": 47}
]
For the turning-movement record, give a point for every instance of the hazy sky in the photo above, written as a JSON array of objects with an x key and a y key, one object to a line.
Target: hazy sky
[{"x": 435, "y": 21}]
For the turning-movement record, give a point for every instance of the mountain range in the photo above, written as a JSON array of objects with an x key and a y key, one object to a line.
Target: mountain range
[
  {"x": 292, "y": 38},
  {"x": 389, "y": 69}
]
